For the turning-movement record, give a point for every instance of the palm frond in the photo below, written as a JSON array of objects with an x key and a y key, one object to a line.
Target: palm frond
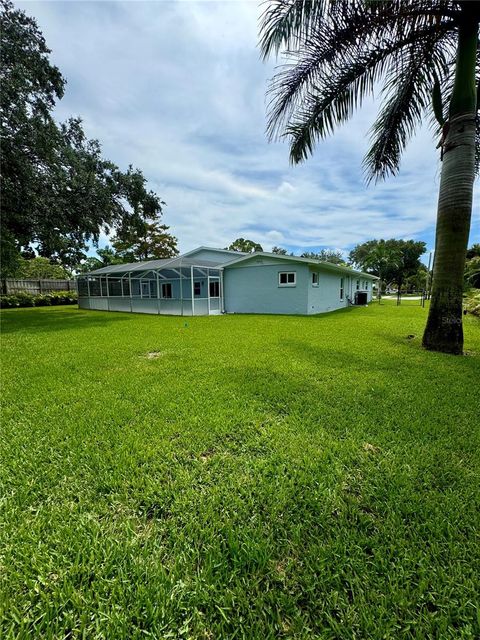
[
  {"x": 324, "y": 67},
  {"x": 337, "y": 51},
  {"x": 408, "y": 93},
  {"x": 332, "y": 104},
  {"x": 286, "y": 22},
  {"x": 329, "y": 41}
]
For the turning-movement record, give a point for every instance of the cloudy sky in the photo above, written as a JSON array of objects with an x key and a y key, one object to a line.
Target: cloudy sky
[{"x": 177, "y": 88}]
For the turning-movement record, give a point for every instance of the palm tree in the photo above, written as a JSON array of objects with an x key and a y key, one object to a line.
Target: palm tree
[{"x": 424, "y": 52}]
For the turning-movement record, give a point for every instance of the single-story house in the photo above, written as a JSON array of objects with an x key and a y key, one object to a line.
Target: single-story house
[{"x": 209, "y": 281}]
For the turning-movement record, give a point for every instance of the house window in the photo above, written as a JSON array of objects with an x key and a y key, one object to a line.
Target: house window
[
  {"x": 287, "y": 279},
  {"x": 342, "y": 290},
  {"x": 197, "y": 288},
  {"x": 366, "y": 285},
  {"x": 314, "y": 279},
  {"x": 166, "y": 289},
  {"x": 215, "y": 289},
  {"x": 358, "y": 285}
]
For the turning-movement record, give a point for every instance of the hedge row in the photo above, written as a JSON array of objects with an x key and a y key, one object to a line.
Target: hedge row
[
  {"x": 472, "y": 301},
  {"x": 24, "y": 299}
]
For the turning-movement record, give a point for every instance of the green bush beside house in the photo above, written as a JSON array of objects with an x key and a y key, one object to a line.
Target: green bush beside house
[{"x": 24, "y": 299}]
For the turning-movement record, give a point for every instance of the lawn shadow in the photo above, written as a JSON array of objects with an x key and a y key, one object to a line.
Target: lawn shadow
[
  {"x": 344, "y": 392},
  {"x": 444, "y": 361},
  {"x": 37, "y": 320},
  {"x": 312, "y": 404},
  {"x": 334, "y": 359}
]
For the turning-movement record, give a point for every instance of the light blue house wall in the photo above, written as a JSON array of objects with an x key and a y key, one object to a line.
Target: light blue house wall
[
  {"x": 253, "y": 287},
  {"x": 326, "y": 295},
  {"x": 360, "y": 283}
]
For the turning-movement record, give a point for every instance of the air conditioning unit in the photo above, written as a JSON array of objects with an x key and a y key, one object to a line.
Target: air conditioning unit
[{"x": 361, "y": 297}]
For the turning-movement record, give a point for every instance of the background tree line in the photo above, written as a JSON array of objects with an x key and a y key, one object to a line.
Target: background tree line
[{"x": 396, "y": 262}]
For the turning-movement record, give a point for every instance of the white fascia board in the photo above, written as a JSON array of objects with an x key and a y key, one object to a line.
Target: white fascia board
[{"x": 202, "y": 248}]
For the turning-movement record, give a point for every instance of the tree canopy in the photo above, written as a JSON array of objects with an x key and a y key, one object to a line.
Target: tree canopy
[
  {"x": 326, "y": 255},
  {"x": 42, "y": 269},
  {"x": 472, "y": 267},
  {"x": 244, "y": 245},
  {"x": 339, "y": 53},
  {"x": 473, "y": 251},
  {"x": 58, "y": 192},
  {"x": 393, "y": 261},
  {"x": 149, "y": 241},
  {"x": 106, "y": 257}
]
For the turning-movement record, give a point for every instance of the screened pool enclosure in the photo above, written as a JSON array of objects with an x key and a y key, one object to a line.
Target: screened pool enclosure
[{"x": 174, "y": 286}]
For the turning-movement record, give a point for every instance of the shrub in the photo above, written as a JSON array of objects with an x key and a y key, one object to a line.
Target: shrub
[
  {"x": 472, "y": 302},
  {"x": 42, "y": 300},
  {"x": 63, "y": 297},
  {"x": 24, "y": 299},
  {"x": 9, "y": 302}
]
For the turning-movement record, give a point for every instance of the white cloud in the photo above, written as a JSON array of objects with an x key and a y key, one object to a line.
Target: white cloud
[
  {"x": 286, "y": 188},
  {"x": 178, "y": 89},
  {"x": 274, "y": 236}
]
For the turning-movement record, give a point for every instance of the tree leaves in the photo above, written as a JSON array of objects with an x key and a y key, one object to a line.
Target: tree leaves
[
  {"x": 58, "y": 192},
  {"x": 148, "y": 241},
  {"x": 244, "y": 245},
  {"x": 392, "y": 260}
]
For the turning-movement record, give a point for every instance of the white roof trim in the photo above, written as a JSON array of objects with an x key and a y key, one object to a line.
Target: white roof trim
[{"x": 202, "y": 248}]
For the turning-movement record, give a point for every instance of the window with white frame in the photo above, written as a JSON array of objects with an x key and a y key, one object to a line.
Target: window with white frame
[
  {"x": 314, "y": 279},
  {"x": 366, "y": 285},
  {"x": 358, "y": 285},
  {"x": 342, "y": 288},
  {"x": 287, "y": 279}
]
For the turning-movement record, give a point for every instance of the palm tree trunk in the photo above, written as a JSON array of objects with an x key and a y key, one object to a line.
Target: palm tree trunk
[{"x": 444, "y": 331}]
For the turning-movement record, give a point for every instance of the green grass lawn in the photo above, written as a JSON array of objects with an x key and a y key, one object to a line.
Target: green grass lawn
[{"x": 259, "y": 477}]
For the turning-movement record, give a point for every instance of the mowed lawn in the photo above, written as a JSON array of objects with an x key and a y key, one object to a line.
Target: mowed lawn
[{"x": 253, "y": 477}]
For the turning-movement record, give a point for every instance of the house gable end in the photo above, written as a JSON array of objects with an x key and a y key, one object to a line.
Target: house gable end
[{"x": 219, "y": 256}]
